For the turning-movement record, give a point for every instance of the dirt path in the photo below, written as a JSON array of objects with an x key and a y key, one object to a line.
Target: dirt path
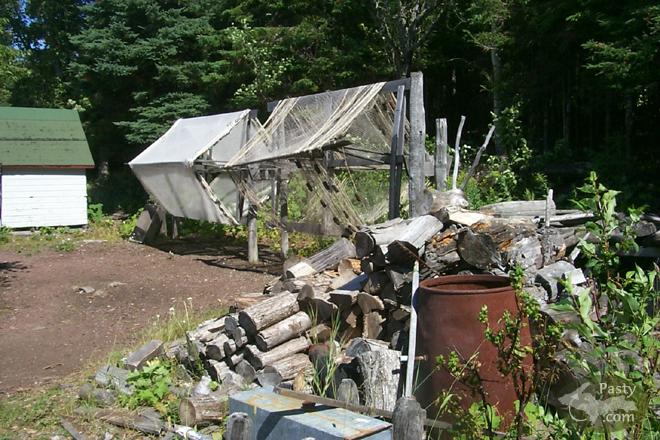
[{"x": 49, "y": 329}]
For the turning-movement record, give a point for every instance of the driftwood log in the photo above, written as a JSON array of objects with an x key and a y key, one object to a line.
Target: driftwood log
[{"x": 268, "y": 312}]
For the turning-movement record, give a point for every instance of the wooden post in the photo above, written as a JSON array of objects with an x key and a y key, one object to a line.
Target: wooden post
[
  {"x": 548, "y": 207},
  {"x": 239, "y": 427},
  {"x": 408, "y": 419},
  {"x": 283, "y": 195},
  {"x": 412, "y": 334},
  {"x": 457, "y": 153},
  {"x": 417, "y": 137},
  {"x": 253, "y": 248},
  {"x": 396, "y": 152},
  {"x": 441, "y": 147}
]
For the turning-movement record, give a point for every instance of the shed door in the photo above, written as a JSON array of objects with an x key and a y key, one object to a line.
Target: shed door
[{"x": 43, "y": 197}]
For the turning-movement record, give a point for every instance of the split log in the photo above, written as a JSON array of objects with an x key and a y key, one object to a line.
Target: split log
[
  {"x": 519, "y": 208},
  {"x": 216, "y": 348},
  {"x": 346, "y": 274},
  {"x": 146, "y": 422},
  {"x": 479, "y": 250},
  {"x": 290, "y": 366},
  {"x": 230, "y": 347},
  {"x": 319, "y": 307},
  {"x": 268, "y": 312},
  {"x": 72, "y": 430},
  {"x": 147, "y": 352},
  {"x": 368, "y": 238},
  {"x": 352, "y": 316},
  {"x": 239, "y": 427},
  {"x": 269, "y": 377},
  {"x": 231, "y": 323},
  {"x": 369, "y": 303},
  {"x": 406, "y": 248},
  {"x": 325, "y": 259},
  {"x": 408, "y": 419},
  {"x": 319, "y": 333},
  {"x": 259, "y": 359},
  {"x": 289, "y": 328},
  {"x": 344, "y": 299},
  {"x": 524, "y": 251},
  {"x": 239, "y": 336},
  {"x": 347, "y": 391},
  {"x": 246, "y": 371},
  {"x": 358, "y": 346},
  {"x": 402, "y": 313},
  {"x": 376, "y": 282},
  {"x": 217, "y": 370},
  {"x": 234, "y": 359},
  {"x": 109, "y": 375},
  {"x": 380, "y": 372},
  {"x": 202, "y": 410},
  {"x": 372, "y": 325},
  {"x": 553, "y": 246}
]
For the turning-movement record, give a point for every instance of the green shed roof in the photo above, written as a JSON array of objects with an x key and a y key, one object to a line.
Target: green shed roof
[{"x": 42, "y": 137}]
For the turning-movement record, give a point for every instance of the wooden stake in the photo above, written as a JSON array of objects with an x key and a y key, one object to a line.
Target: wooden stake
[
  {"x": 412, "y": 334},
  {"x": 283, "y": 195},
  {"x": 416, "y": 151},
  {"x": 253, "y": 248},
  {"x": 477, "y": 158},
  {"x": 396, "y": 153},
  {"x": 457, "y": 153},
  {"x": 441, "y": 147}
]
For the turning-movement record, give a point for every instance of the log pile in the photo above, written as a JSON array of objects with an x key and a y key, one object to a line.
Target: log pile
[{"x": 342, "y": 317}]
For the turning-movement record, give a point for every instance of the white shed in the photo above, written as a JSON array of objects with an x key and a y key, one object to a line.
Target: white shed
[{"x": 43, "y": 158}]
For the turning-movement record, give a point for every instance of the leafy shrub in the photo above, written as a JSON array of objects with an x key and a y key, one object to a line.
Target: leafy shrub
[
  {"x": 95, "y": 212},
  {"x": 151, "y": 386},
  {"x": 5, "y": 234}
]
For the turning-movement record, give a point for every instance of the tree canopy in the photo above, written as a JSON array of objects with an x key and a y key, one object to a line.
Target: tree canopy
[{"x": 583, "y": 77}]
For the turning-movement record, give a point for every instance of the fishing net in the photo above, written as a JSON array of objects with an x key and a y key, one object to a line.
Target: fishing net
[{"x": 354, "y": 123}]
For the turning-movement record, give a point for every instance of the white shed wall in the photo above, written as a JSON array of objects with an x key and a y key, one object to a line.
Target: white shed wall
[{"x": 43, "y": 197}]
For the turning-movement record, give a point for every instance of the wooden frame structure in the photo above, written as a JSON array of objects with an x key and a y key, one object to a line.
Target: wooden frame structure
[{"x": 419, "y": 165}]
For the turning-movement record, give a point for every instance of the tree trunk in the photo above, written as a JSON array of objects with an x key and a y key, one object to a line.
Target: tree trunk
[{"x": 496, "y": 61}]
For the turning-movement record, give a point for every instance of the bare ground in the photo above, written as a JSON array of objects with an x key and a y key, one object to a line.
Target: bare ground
[{"x": 49, "y": 329}]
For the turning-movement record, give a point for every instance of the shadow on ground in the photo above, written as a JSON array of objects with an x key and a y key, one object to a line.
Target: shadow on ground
[{"x": 219, "y": 253}]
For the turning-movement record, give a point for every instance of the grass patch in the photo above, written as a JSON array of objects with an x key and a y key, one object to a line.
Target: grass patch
[{"x": 35, "y": 414}]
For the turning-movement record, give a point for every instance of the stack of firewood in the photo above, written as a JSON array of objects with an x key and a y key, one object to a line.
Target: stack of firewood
[{"x": 351, "y": 301}]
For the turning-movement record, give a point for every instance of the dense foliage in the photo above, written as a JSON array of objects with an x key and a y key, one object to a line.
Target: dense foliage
[{"x": 582, "y": 76}]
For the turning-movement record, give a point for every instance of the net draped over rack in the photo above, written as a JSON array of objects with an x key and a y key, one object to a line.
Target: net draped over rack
[{"x": 203, "y": 167}]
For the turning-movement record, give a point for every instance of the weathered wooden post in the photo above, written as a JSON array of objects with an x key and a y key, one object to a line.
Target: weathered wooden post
[
  {"x": 396, "y": 154},
  {"x": 417, "y": 137},
  {"x": 441, "y": 148},
  {"x": 239, "y": 427},
  {"x": 282, "y": 195},
  {"x": 408, "y": 419},
  {"x": 253, "y": 248}
]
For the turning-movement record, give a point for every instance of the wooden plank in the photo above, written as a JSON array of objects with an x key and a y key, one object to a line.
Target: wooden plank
[
  {"x": 441, "y": 148},
  {"x": 416, "y": 150}
]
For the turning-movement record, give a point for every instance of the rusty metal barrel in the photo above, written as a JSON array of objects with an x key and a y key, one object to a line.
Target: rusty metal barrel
[{"x": 448, "y": 308}]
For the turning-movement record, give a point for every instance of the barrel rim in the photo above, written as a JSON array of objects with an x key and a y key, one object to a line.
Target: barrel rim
[{"x": 433, "y": 285}]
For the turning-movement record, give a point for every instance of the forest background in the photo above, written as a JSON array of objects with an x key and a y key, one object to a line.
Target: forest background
[{"x": 574, "y": 85}]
